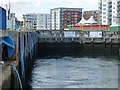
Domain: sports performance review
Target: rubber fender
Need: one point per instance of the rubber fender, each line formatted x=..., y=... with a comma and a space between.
x=10, y=44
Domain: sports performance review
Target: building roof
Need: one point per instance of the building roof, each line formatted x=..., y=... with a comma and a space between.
x=65, y=8
x=2, y=8
x=82, y=21
x=91, y=20
x=91, y=11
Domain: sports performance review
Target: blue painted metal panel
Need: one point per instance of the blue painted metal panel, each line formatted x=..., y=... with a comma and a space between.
x=21, y=58
x=10, y=40
x=10, y=44
x=2, y=18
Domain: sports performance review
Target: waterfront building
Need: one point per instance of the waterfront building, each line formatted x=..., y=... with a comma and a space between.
x=30, y=21
x=94, y=13
x=62, y=17
x=116, y=12
x=37, y=21
x=13, y=23
x=43, y=21
x=109, y=12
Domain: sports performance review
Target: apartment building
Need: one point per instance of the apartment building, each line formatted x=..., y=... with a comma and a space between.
x=13, y=23
x=37, y=21
x=109, y=12
x=61, y=17
x=31, y=21
x=116, y=12
x=43, y=21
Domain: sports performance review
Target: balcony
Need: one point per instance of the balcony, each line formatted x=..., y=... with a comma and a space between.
x=110, y=2
x=100, y=7
x=110, y=6
x=110, y=10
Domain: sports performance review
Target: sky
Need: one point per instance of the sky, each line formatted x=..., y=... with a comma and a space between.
x=21, y=7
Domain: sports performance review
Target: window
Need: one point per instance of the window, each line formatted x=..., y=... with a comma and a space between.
x=104, y=21
x=104, y=17
x=104, y=4
x=104, y=8
x=104, y=12
x=104, y=1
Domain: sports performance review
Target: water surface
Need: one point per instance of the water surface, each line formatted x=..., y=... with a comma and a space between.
x=75, y=72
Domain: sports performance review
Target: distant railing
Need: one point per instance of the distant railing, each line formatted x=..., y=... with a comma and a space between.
x=77, y=33
x=78, y=36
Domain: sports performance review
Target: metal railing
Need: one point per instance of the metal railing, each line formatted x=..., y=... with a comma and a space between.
x=77, y=36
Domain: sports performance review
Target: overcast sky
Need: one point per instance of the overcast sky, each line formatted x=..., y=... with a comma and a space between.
x=21, y=7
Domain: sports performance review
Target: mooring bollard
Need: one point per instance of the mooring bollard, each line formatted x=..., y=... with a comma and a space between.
x=119, y=51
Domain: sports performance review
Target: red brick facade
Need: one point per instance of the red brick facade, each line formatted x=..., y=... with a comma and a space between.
x=88, y=14
x=71, y=18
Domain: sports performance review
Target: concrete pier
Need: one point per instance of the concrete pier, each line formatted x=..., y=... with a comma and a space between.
x=8, y=78
x=5, y=76
x=78, y=36
x=119, y=51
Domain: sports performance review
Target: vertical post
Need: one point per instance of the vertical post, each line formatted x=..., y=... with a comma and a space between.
x=24, y=23
x=119, y=52
x=91, y=27
x=62, y=34
x=72, y=27
x=99, y=27
x=80, y=26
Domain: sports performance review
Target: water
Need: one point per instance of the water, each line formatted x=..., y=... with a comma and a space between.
x=75, y=72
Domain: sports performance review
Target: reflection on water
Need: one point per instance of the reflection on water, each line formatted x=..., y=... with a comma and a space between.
x=75, y=72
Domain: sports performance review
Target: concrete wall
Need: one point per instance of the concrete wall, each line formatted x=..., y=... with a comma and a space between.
x=74, y=48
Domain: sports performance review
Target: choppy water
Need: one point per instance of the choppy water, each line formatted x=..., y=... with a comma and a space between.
x=75, y=72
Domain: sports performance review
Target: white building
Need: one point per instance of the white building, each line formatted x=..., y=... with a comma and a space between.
x=110, y=11
x=31, y=21
x=37, y=21
x=13, y=23
x=43, y=21
x=116, y=12
x=55, y=19
x=61, y=17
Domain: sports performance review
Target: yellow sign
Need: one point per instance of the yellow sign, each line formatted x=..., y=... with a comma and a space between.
x=24, y=24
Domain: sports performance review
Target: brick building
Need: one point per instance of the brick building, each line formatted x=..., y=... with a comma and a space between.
x=61, y=17
x=88, y=14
